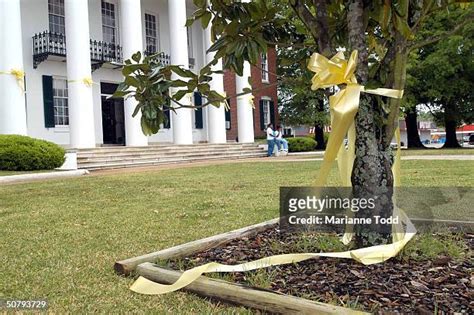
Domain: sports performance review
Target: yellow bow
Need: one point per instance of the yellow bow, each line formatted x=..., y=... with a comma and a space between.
x=343, y=106
x=87, y=81
x=19, y=76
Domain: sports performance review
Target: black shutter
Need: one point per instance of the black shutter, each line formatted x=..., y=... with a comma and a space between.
x=272, y=113
x=228, y=119
x=198, y=112
x=167, y=113
x=48, y=101
x=262, y=118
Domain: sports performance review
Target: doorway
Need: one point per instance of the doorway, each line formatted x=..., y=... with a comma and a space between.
x=113, y=118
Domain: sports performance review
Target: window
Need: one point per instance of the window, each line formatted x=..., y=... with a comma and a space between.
x=264, y=65
x=56, y=16
x=151, y=33
x=61, y=112
x=109, y=29
x=267, y=118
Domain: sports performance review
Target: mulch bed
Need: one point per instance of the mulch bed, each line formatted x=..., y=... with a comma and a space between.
x=407, y=287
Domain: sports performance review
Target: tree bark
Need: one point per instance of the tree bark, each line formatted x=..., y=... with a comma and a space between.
x=371, y=174
x=450, y=125
x=319, y=137
x=413, y=137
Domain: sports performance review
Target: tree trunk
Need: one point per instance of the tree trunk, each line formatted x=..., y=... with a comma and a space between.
x=413, y=136
x=319, y=137
x=319, y=129
x=371, y=175
x=450, y=126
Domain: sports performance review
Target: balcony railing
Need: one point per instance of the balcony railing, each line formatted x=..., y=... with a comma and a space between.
x=162, y=58
x=48, y=44
x=165, y=59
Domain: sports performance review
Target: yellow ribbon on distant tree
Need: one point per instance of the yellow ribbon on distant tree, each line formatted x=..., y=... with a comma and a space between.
x=19, y=76
x=87, y=81
x=344, y=106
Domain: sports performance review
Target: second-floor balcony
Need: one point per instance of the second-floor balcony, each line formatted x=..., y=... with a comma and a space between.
x=52, y=46
x=49, y=45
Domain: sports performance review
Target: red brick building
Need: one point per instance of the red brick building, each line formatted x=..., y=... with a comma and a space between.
x=265, y=92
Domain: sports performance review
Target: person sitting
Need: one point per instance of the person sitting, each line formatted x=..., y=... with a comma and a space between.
x=281, y=142
x=270, y=139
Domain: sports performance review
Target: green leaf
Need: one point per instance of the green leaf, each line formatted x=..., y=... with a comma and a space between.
x=182, y=72
x=205, y=19
x=200, y=3
x=180, y=94
x=137, y=56
x=253, y=52
x=132, y=81
x=190, y=21
x=179, y=83
x=120, y=94
x=136, y=110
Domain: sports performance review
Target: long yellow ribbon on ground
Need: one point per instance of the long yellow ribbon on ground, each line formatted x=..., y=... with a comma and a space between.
x=19, y=76
x=344, y=106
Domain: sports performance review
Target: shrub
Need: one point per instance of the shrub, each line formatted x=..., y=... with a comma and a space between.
x=301, y=144
x=21, y=153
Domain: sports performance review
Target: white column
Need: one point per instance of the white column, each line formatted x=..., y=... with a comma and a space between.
x=215, y=116
x=12, y=97
x=181, y=121
x=132, y=41
x=244, y=108
x=80, y=101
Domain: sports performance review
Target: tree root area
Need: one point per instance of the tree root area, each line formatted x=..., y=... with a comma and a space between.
x=408, y=284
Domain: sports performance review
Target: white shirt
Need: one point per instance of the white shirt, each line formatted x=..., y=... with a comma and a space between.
x=270, y=135
x=278, y=135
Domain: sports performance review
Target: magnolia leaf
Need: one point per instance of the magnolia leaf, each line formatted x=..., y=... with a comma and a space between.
x=205, y=19
x=182, y=72
x=180, y=94
x=137, y=56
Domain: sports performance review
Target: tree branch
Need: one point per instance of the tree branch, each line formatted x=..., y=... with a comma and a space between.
x=324, y=42
x=305, y=15
x=437, y=38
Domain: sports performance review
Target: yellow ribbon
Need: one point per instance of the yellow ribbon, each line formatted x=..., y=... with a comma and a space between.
x=87, y=81
x=19, y=76
x=344, y=106
x=251, y=99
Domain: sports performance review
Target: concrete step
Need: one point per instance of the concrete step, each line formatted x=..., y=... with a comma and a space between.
x=163, y=147
x=189, y=154
x=154, y=152
x=122, y=164
x=119, y=157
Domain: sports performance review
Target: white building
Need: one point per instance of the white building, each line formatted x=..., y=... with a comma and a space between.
x=58, y=105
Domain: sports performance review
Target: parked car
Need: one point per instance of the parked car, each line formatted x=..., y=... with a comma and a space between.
x=471, y=139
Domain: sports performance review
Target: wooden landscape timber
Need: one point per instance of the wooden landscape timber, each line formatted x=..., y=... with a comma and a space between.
x=127, y=266
x=237, y=294
x=264, y=300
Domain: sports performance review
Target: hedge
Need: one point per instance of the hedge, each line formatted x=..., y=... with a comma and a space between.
x=21, y=153
x=301, y=144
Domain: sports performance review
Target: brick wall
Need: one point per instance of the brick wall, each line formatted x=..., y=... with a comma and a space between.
x=268, y=90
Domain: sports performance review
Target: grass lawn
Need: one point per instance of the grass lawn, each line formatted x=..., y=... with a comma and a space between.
x=60, y=238
x=438, y=152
